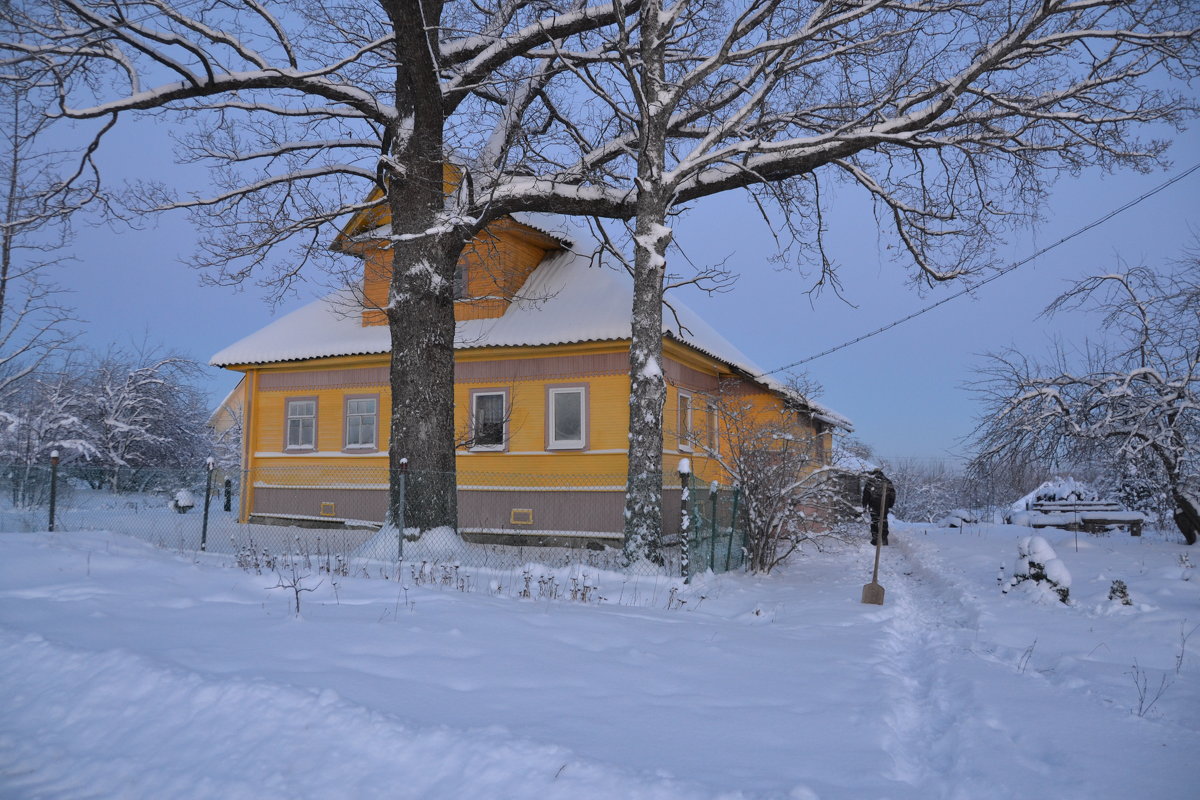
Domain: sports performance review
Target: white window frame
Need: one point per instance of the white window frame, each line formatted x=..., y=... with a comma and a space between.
x=684, y=431
x=713, y=434
x=373, y=427
x=475, y=395
x=288, y=417
x=566, y=444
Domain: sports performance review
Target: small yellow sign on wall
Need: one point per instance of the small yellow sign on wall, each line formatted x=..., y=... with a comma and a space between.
x=521, y=516
x=327, y=509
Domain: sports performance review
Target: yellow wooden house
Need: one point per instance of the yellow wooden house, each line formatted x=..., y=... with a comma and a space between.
x=541, y=392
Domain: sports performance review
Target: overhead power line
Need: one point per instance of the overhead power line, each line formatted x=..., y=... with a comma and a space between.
x=1000, y=273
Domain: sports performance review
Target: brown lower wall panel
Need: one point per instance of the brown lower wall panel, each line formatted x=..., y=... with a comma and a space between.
x=357, y=504
x=582, y=511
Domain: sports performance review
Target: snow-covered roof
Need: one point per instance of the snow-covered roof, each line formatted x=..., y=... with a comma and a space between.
x=1057, y=488
x=567, y=299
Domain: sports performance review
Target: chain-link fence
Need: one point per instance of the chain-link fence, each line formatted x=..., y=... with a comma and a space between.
x=505, y=520
x=335, y=514
x=716, y=528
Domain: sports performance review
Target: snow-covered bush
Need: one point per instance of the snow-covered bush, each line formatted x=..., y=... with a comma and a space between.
x=1039, y=567
x=183, y=501
x=957, y=518
x=1120, y=592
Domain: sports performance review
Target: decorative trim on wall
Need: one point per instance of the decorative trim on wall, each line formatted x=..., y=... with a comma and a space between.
x=536, y=368
x=557, y=367
x=323, y=379
x=681, y=375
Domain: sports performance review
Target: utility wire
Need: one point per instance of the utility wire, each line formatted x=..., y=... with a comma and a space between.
x=1095, y=223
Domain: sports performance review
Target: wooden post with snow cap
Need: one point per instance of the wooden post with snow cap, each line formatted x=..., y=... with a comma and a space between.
x=873, y=593
x=685, y=520
x=53, y=485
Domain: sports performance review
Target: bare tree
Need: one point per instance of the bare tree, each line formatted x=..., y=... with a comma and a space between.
x=1136, y=397
x=35, y=211
x=925, y=489
x=952, y=117
x=142, y=412
x=773, y=452
x=301, y=110
x=42, y=414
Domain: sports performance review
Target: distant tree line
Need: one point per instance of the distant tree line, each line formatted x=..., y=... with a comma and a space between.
x=119, y=420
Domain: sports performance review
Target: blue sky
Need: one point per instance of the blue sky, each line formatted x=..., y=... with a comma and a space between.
x=904, y=389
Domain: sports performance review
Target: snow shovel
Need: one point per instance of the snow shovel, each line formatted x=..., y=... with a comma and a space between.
x=873, y=592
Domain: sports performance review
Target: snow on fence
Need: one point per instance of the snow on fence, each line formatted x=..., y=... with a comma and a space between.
x=335, y=515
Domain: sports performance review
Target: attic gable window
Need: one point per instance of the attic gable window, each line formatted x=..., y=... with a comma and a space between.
x=460, y=281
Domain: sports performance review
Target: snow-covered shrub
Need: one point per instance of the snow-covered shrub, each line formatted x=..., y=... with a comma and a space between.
x=957, y=518
x=1019, y=518
x=1120, y=592
x=183, y=501
x=1038, y=565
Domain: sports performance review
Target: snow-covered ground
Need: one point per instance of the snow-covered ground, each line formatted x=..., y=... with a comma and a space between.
x=132, y=672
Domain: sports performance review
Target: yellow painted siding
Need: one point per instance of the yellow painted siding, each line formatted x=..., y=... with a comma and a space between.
x=498, y=261
x=525, y=462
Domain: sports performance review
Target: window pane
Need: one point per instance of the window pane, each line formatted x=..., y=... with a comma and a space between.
x=302, y=408
x=301, y=423
x=685, y=420
x=489, y=419
x=361, y=421
x=460, y=281
x=568, y=416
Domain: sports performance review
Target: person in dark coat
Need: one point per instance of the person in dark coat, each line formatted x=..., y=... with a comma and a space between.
x=878, y=488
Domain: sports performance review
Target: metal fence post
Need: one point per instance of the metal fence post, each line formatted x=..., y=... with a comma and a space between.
x=712, y=544
x=403, y=481
x=685, y=526
x=53, y=485
x=228, y=494
x=737, y=493
x=208, y=468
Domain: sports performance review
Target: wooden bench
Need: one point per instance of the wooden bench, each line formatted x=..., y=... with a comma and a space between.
x=1092, y=516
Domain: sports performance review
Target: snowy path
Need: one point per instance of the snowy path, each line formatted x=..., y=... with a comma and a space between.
x=965, y=723
x=931, y=696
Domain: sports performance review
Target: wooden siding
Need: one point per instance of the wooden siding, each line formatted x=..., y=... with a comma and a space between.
x=577, y=512
x=524, y=373
x=498, y=261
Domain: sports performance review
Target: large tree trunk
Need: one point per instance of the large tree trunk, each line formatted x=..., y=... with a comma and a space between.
x=420, y=309
x=647, y=386
x=647, y=383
